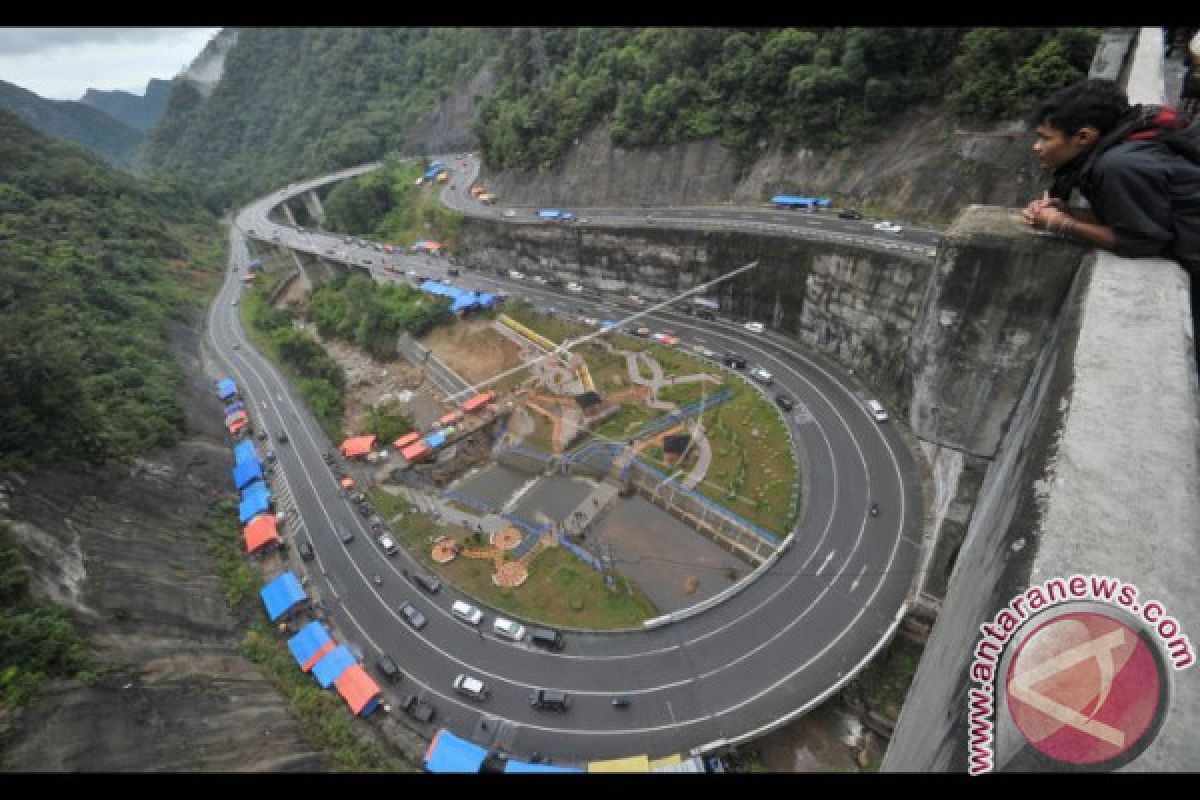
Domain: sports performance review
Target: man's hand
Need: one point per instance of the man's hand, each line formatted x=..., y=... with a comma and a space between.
x=1045, y=213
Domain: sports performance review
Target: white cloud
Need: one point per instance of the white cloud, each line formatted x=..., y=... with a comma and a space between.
x=61, y=63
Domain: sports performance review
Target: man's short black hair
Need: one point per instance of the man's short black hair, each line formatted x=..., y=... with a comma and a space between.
x=1098, y=103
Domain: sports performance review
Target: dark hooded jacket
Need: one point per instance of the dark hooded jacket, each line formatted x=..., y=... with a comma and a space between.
x=1143, y=180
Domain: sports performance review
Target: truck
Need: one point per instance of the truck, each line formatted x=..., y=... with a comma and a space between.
x=555, y=215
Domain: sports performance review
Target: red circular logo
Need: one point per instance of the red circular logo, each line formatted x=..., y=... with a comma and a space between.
x=1083, y=688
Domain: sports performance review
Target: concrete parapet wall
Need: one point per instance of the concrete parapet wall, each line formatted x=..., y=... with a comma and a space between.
x=996, y=289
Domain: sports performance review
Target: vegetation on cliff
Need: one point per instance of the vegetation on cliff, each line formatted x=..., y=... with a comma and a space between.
x=94, y=265
x=821, y=87
x=38, y=640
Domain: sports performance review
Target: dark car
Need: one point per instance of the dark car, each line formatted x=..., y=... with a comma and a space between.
x=389, y=669
x=329, y=457
x=735, y=360
x=305, y=549
x=850, y=213
x=344, y=533
x=282, y=438
x=418, y=710
x=453, y=272
x=427, y=582
x=412, y=616
x=785, y=401
x=547, y=638
x=549, y=700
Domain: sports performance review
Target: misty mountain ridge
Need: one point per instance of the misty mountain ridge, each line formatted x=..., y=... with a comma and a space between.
x=140, y=112
x=75, y=122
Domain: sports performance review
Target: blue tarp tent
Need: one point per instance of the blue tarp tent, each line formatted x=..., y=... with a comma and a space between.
x=525, y=766
x=282, y=595
x=245, y=473
x=309, y=642
x=226, y=388
x=435, y=440
x=448, y=753
x=459, y=298
x=252, y=506
x=244, y=452
x=329, y=668
x=232, y=407
x=256, y=488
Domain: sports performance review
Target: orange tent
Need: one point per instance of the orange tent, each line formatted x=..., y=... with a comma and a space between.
x=449, y=419
x=260, y=532
x=237, y=425
x=358, y=690
x=357, y=446
x=478, y=401
x=405, y=440
x=414, y=452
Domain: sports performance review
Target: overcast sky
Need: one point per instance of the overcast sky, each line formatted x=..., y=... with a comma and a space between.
x=62, y=63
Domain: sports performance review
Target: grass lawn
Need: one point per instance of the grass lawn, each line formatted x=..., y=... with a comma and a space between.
x=561, y=590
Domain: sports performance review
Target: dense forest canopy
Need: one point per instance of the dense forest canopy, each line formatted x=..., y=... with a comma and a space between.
x=297, y=102
x=90, y=274
x=823, y=88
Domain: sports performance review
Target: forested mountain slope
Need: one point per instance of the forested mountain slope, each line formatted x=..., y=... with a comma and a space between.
x=92, y=268
x=299, y=102
x=295, y=102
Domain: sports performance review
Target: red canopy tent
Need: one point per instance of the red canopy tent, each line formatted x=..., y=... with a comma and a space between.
x=261, y=532
x=357, y=446
x=358, y=690
x=478, y=401
x=414, y=452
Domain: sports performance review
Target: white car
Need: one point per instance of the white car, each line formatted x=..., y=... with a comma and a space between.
x=471, y=687
x=574, y=288
x=539, y=280
x=466, y=612
x=509, y=629
x=753, y=327
x=387, y=543
x=762, y=376
x=510, y=212
x=876, y=409
x=887, y=227
x=516, y=276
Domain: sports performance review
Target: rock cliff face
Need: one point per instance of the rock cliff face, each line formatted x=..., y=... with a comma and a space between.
x=125, y=551
x=855, y=304
x=924, y=167
x=448, y=127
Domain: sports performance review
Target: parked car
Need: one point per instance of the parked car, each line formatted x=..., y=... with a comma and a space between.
x=735, y=360
x=389, y=669
x=753, y=327
x=850, y=213
x=548, y=638
x=427, y=582
x=509, y=629
x=877, y=411
x=387, y=543
x=471, y=687
x=412, y=616
x=282, y=437
x=887, y=227
x=785, y=401
x=466, y=612
x=305, y=549
x=417, y=709
x=574, y=288
x=344, y=533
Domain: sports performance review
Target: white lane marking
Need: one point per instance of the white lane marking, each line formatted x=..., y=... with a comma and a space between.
x=854, y=585
x=825, y=563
